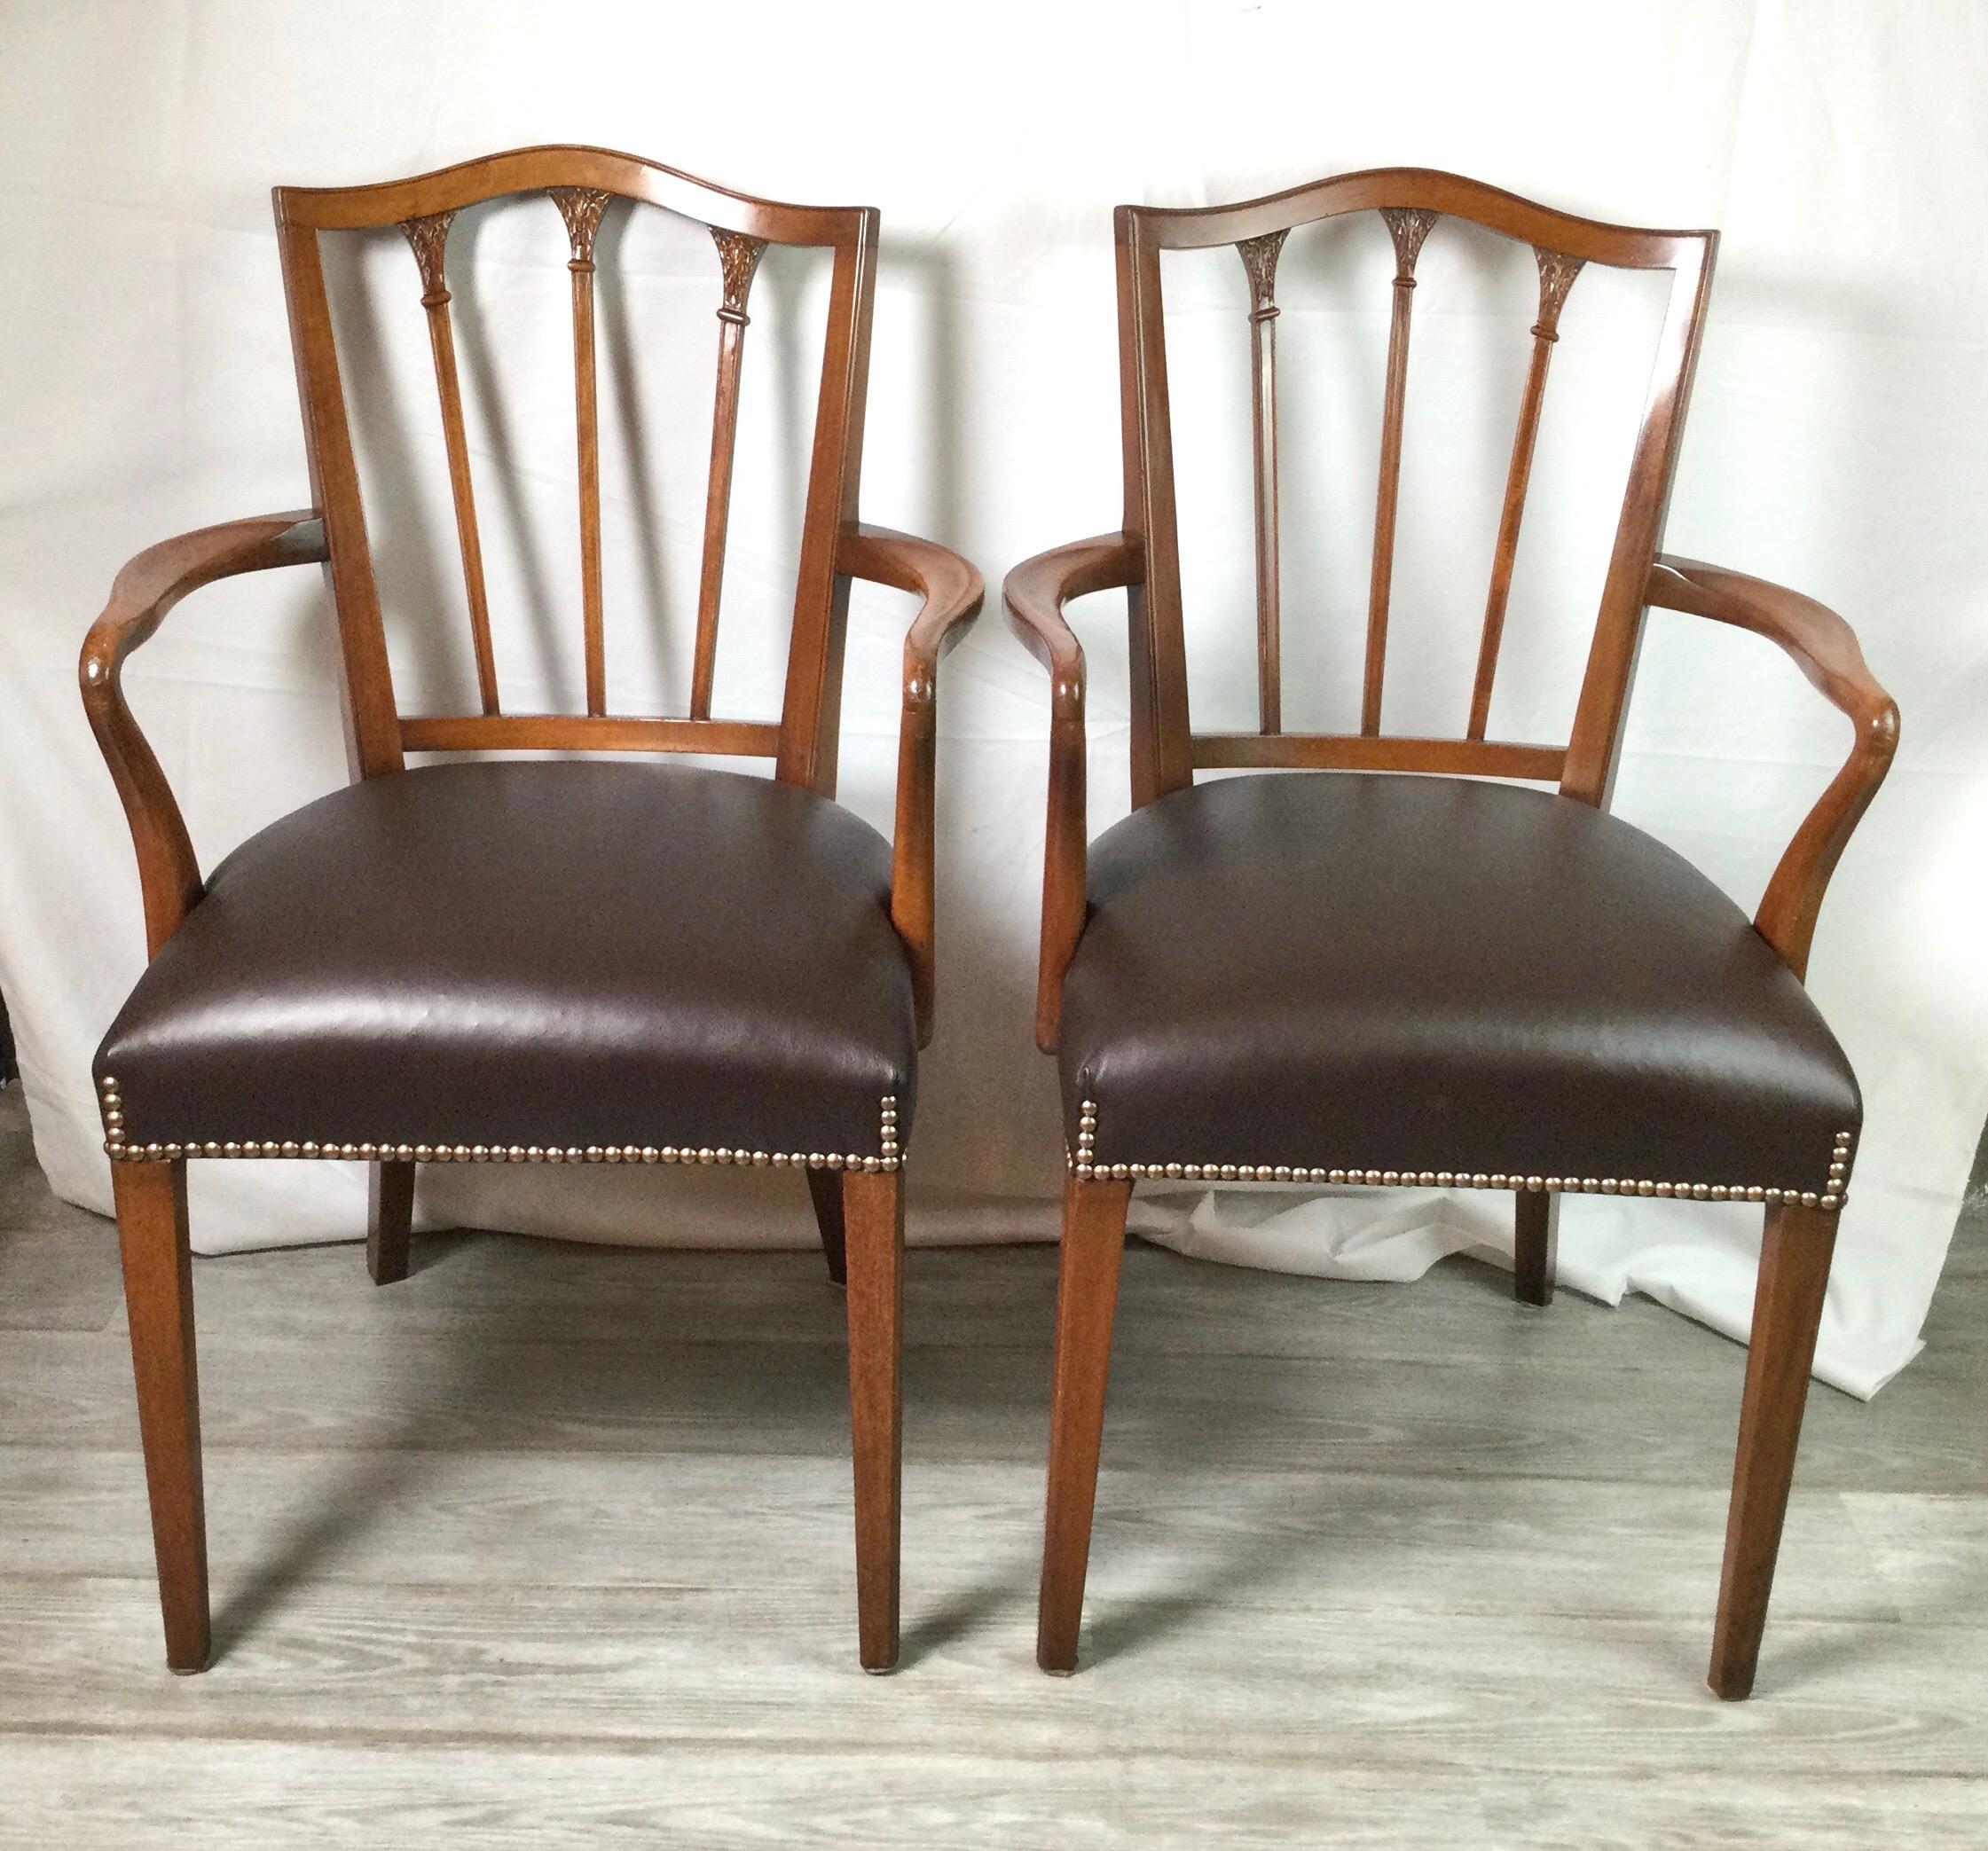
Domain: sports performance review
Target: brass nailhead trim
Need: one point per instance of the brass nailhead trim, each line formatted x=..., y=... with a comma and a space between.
x=1083, y=1165
x=891, y=1155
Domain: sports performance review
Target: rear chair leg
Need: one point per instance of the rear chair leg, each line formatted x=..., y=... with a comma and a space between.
x=151, y=1200
x=1094, y=1217
x=389, y=1228
x=873, y=1214
x=1535, y=1250
x=1787, y=1313
x=826, y=1187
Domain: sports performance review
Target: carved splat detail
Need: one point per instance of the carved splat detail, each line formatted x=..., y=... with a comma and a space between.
x=1408, y=226
x=738, y=256
x=428, y=236
x=581, y=208
x=1557, y=273
x=1260, y=260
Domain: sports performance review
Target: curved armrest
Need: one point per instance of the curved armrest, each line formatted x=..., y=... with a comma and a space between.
x=145, y=590
x=953, y=593
x=1035, y=594
x=1824, y=648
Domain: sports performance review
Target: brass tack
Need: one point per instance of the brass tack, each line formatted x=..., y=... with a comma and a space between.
x=1809, y=1198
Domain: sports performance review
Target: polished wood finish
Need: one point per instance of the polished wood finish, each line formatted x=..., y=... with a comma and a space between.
x=1407, y=227
x=584, y=183
x=1034, y=595
x=159, y=1306
x=1556, y=276
x=594, y=732
x=429, y=238
x=738, y=257
x=1260, y=261
x=824, y=1189
x=837, y=547
x=1413, y=201
x=390, y=1221
x=1166, y=753
x=1824, y=648
x=952, y=594
x=1086, y=1299
x=1536, y=1246
x=1795, y=1256
x=873, y=1220
x=1391, y=752
x=581, y=208
x=145, y=590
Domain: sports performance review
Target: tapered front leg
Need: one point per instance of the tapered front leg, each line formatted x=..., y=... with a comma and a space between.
x=873, y=1217
x=1787, y=1313
x=825, y=1187
x=1086, y=1298
x=389, y=1225
x=151, y=1199
x=1535, y=1250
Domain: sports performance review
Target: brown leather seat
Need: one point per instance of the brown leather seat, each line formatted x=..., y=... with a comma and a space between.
x=539, y=957
x=1350, y=972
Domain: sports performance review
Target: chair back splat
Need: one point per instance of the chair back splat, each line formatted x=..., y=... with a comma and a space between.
x=1412, y=201
x=583, y=184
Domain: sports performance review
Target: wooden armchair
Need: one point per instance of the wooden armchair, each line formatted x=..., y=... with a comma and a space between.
x=553, y=961
x=1398, y=973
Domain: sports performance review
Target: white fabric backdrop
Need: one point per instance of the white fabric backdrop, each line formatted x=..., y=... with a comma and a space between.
x=1836, y=444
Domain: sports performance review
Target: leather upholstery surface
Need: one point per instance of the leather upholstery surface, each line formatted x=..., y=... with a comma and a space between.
x=1410, y=973
x=552, y=952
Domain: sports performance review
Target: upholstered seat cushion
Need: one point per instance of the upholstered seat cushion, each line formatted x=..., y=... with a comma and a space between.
x=1409, y=974
x=533, y=953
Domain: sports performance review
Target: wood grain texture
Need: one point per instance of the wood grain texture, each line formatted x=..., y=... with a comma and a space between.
x=1086, y=1300
x=873, y=1232
x=159, y=1302
x=1788, y=1310
x=590, y=1588
x=343, y=1794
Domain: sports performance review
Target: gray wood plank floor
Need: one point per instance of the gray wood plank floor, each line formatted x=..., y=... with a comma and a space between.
x=550, y=1545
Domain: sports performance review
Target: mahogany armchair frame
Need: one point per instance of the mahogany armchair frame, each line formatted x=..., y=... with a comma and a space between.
x=1143, y=558
x=858, y=1202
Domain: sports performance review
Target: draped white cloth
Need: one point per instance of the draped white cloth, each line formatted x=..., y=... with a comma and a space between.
x=1835, y=445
